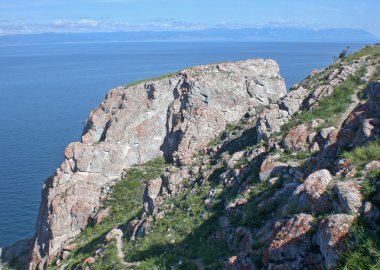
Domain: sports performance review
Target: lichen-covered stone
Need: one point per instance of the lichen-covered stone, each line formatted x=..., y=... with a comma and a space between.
x=349, y=196
x=330, y=237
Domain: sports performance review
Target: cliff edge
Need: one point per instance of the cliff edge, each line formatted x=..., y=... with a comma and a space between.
x=174, y=117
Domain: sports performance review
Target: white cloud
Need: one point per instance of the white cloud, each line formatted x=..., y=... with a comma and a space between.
x=91, y=25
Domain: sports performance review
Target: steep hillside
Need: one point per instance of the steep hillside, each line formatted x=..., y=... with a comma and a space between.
x=292, y=183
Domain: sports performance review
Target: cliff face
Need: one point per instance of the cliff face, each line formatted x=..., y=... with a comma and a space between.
x=173, y=117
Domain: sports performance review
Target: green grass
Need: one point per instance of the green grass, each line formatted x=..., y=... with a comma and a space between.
x=376, y=75
x=363, y=249
x=126, y=203
x=330, y=107
x=184, y=233
x=109, y=260
x=232, y=126
x=369, y=184
x=360, y=156
x=214, y=142
x=153, y=79
x=296, y=156
x=373, y=51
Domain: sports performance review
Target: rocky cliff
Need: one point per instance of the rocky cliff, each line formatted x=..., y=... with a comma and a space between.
x=174, y=117
x=254, y=177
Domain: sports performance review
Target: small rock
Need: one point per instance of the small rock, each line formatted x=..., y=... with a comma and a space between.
x=99, y=251
x=311, y=137
x=70, y=247
x=316, y=123
x=270, y=121
x=345, y=168
x=293, y=100
x=314, y=148
x=326, y=131
x=237, y=202
x=90, y=260
x=270, y=168
x=273, y=181
x=102, y=215
x=115, y=233
x=373, y=165
x=235, y=158
x=65, y=254
x=241, y=262
x=232, y=259
x=368, y=207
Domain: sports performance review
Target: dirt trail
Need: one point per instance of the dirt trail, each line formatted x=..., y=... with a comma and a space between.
x=120, y=253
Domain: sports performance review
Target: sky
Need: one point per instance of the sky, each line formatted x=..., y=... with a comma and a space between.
x=38, y=16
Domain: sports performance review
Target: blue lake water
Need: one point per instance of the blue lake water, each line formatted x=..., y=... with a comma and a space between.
x=47, y=91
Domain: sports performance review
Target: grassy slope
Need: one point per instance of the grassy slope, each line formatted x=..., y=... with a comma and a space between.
x=364, y=243
x=126, y=202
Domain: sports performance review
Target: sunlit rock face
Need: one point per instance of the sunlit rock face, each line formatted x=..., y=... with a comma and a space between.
x=175, y=117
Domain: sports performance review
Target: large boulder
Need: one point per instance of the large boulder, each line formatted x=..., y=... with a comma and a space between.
x=175, y=117
x=151, y=194
x=330, y=237
x=311, y=193
x=270, y=167
x=349, y=197
x=270, y=121
x=292, y=102
x=297, y=138
x=291, y=245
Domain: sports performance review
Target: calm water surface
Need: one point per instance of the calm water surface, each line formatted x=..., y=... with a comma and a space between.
x=47, y=91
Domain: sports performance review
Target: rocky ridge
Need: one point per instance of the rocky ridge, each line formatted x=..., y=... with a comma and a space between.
x=175, y=117
x=285, y=187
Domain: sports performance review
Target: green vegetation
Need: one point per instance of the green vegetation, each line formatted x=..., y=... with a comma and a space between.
x=152, y=79
x=298, y=156
x=214, y=142
x=343, y=54
x=376, y=75
x=126, y=202
x=329, y=109
x=369, y=184
x=232, y=126
x=184, y=233
x=363, y=249
x=109, y=260
x=372, y=51
x=360, y=156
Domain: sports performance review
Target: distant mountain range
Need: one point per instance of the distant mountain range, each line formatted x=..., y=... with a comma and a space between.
x=269, y=34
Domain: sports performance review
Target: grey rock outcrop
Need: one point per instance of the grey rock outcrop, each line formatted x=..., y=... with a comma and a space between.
x=270, y=121
x=173, y=117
